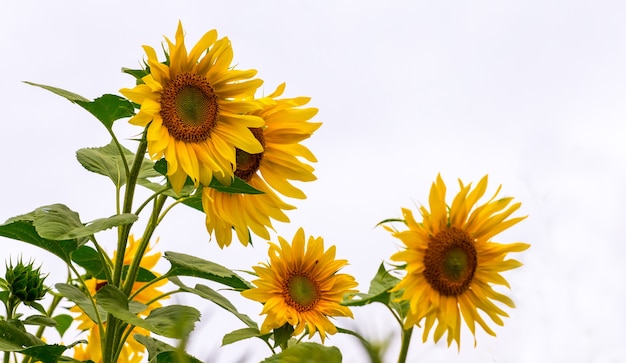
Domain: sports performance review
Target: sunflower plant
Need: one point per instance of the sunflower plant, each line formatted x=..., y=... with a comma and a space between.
x=208, y=141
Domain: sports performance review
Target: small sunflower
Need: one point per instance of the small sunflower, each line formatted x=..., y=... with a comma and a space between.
x=301, y=286
x=196, y=108
x=451, y=262
x=283, y=159
x=144, y=296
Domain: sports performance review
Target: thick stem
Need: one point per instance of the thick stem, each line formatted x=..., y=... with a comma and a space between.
x=406, y=340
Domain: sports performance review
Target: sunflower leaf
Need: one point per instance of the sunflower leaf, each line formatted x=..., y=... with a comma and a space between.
x=307, y=353
x=108, y=108
x=238, y=186
x=378, y=291
x=14, y=337
x=241, y=334
x=208, y=293
x=107, y=161
x=50, y=353
x=25, y=231
x=63, y=323
x=187, y=265
x=83, y=301
x=70, y=96
x=159, y=351
x=172, y=321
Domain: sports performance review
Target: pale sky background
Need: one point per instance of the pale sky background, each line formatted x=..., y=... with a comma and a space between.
x=531, y=92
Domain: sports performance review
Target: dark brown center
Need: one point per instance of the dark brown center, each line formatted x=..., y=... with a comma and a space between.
x=248, y=164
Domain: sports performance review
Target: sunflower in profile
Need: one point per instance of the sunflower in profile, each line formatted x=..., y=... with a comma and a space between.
x=283, y=159
x=197, y=109
x=300, y=286
x=451, y=262
x=132, y=350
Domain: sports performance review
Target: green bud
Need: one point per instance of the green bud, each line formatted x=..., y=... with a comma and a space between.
x=25, y=282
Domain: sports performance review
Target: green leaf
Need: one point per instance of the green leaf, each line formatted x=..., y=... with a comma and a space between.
x=14, y=338
x=378, y=291
x=156, y=348
x=51, y=221
x=282, y=334
x=186, y=265
x=88, y=258
x=137, y=73
x=4, y=296
x=240, y=334
x=25, y=231
x=81, y=299
x=100, y=224
x=172, y=321
x=206, y=292
x=108, y=108
x=238, y=186
x=107, y=161
x=72, y=97
x=307, y=353
x=39, y=320
x=63, y=323
x=45, y=353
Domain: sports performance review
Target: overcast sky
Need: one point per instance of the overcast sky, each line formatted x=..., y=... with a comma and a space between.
x=532, y=93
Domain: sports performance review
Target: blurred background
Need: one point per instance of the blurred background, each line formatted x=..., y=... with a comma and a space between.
x=532, y=93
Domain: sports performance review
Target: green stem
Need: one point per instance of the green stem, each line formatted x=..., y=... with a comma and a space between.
x=406, y=340
x=143, y=245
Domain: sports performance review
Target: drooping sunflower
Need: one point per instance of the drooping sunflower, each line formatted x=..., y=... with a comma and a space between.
x=197, y=109
x=451, y=262
x=300, y=286
x=132, y=350
x=283, y=159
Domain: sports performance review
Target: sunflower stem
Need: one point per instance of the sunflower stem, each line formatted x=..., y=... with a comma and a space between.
x=406, y=340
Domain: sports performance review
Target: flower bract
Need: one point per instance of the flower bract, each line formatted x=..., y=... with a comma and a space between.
x=300, y=286
x=452, y=263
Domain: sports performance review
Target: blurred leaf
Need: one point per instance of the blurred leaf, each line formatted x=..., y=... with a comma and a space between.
x=25, y=231
x=282, y=334
x=307, y=353
x=240, y=334
x=108, y=108
x=172, y=321
x=206, y=292
x=107, y=161
x=186, y=265
x=39, y=320
x=378, y=291
x=14, y=338
x=45, y=353
x=63, y=323
x=79, y=298
x=156, y=348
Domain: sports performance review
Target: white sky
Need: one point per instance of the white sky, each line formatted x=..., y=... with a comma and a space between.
x=531, y=92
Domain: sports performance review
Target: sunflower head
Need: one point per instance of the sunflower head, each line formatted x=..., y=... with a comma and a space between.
x=452, y=262
x=300, y=286
x=283, y=159
x=196, y=109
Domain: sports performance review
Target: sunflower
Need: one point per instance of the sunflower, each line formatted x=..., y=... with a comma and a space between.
x=196, y=109
x=145, y=296
x=132, y=351
x=286, y=125
x=301, y=286
x=451, y=262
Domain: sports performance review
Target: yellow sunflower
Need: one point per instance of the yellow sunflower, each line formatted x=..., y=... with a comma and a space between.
x=451, y=262
x=301, y=286
x=132, y=351
x=145, y=296
x=282, y=160
x=196, y=108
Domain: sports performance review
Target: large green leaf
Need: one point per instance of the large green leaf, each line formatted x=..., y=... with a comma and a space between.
x=106, y=109
x=307, y=353
x=99, y=224
x=107, y=161
x=378, y=291
x=14, y=337
x=25, y=231
x=45, y=353
x=51, y=221
x=208, y=293
x=81, y=299
x=172, y=321
x=186, y=265
x=159, y=351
